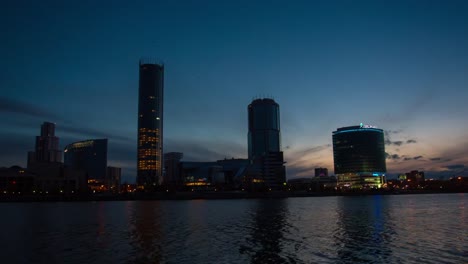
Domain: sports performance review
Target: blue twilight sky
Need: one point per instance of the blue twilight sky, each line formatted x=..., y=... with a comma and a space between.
x=398, y=65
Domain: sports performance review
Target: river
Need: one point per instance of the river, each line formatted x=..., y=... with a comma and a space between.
x=426, y=228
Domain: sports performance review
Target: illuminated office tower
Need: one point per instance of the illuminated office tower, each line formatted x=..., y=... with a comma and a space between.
x=150, y=125
x=359, y=156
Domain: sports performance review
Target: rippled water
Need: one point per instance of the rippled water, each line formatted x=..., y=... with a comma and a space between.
x=367, y=229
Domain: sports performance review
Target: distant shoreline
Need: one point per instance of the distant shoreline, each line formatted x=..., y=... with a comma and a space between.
x=201, y=196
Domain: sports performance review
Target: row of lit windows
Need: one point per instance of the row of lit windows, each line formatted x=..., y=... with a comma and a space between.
x=149, y=165
x=143, y=162
x=144, y=129
x=148, y=138
x=148, y=156
x=148, y=151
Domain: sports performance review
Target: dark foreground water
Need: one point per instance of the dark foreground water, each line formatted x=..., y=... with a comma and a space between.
x=368, y=229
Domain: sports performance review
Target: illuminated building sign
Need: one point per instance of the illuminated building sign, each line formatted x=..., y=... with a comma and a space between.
x=366, y=126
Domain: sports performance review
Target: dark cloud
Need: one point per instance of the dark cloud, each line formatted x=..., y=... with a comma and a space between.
x=417, y=157
x=14, y=150
x=389, y=132
x=392, y=156
x=446, y=174
x=13, y=106
x=407, y=158
x=454, y=166
x=304, y=152
x=389, y=141
x=195, y=150
x=30, y=110
x=298, y=172
x=395, y=143
x=88, y=132
x=435, y=159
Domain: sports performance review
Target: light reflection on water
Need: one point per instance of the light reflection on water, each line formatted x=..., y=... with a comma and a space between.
x=366, y=229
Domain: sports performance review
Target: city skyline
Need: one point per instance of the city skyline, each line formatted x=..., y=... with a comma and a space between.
x=400, y=66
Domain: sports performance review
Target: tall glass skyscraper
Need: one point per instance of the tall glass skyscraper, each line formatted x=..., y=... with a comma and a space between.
x=264, y=127
x=150, y=125
x=359, y=156
x=264, y=143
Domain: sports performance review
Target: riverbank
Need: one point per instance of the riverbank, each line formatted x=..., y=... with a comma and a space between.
x=202, y=195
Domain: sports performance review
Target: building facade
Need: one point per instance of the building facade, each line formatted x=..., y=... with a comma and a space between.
x=113, y=180
x=50, y=174
x=47, y=146
x=89, y=156
x=264, y=144
x=150, y=125
x=264, y=127
x=172, y=176
x=359, y=156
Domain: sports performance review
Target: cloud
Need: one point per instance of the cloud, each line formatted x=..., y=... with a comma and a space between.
x=307, y=151
x=88, y=132
x=389, y=141
x=199, y=150
x=395, y=143
x=14, y=149
x=388, y=132
x=302, y=162
x=445, y=174
x=296, y=172
x=31, y=110
x=435, y=159
x=392, y=156
x=13, y=106
x=454, y=166
x=405, y=157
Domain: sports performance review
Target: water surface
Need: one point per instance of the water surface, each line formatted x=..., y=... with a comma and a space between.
x=366, y=229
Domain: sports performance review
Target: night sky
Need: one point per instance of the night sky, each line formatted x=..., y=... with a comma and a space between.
x=399, y=65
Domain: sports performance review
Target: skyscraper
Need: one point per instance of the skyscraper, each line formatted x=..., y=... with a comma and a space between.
x=47, y=146
x=150, y=125
x=264, y=143
x=264, y=127
x=359, y=156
